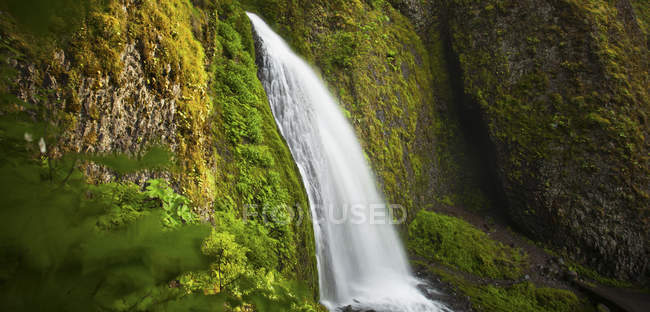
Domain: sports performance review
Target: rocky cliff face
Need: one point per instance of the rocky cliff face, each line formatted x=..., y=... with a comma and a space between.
x=107, y=116
x=179, y=74
x=561, y=87
x=535, y=108
x=563, y=90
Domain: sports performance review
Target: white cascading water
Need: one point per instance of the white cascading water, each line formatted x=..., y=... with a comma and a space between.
x=360, y=262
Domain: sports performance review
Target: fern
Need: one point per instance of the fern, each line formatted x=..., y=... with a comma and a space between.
x=176, y=207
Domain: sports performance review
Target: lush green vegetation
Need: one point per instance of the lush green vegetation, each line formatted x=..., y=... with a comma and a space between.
x=465, y=256
x=68, y=245
x=258, y=176
x=230, y=163
x=155, y=258
x=524, y=296
x=456, y=243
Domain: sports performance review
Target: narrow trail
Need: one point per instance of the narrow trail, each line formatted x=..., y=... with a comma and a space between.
x=618, y=298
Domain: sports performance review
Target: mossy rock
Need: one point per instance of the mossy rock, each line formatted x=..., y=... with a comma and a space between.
x=456, y=243
x=562, y=86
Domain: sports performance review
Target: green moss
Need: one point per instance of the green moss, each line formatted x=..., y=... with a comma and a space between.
x=343, y=46
x=468, y=256
x=555, y=120
x=642, y=11
x=258, y=178
x=458, y=244
x=374, y=60
x=228, y=149
x=524, y=297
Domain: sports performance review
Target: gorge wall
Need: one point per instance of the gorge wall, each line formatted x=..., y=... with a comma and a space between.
x=563, y=90
x=177, y=74
x=537, y=110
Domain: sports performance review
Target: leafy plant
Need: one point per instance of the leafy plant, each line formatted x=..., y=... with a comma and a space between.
x=230, y=257
x=70, y=246
x=121, y=222
x=176, y=207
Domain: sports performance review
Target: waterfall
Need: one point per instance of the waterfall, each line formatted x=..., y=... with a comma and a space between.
x=360, y=258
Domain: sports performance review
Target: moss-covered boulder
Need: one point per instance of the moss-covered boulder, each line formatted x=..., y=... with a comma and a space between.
x=458, y=244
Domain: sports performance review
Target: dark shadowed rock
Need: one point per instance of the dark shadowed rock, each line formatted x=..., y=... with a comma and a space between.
x=602, y=308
